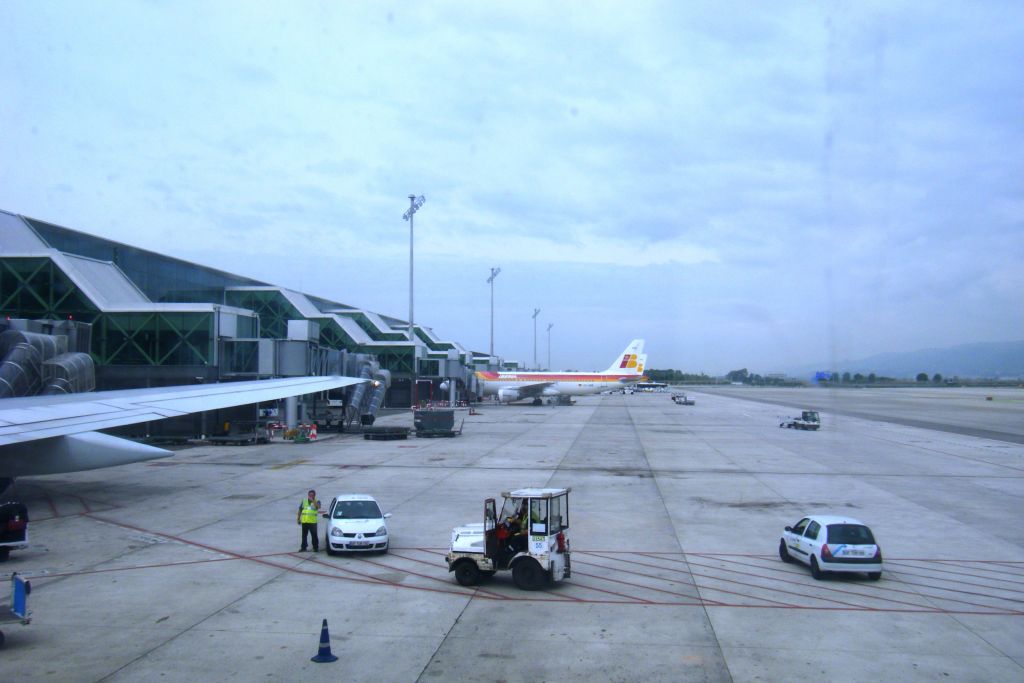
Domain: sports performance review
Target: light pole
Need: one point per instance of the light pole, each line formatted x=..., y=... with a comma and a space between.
x=414, y=205
x=536, y=312
x=550, y=325
x=494, y=273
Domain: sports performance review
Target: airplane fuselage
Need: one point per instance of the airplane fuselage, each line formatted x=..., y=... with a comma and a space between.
x=556, y=383
x=509, y=386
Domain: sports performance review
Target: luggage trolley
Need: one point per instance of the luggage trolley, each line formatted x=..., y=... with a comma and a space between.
x=18, y=611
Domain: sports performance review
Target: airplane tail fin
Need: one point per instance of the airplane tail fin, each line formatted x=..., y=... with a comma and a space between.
x=626, y=362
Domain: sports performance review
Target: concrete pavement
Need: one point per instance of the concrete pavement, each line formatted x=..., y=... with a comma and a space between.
x=185, y=569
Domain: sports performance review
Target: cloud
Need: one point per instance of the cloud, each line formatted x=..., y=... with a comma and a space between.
x=764, y=175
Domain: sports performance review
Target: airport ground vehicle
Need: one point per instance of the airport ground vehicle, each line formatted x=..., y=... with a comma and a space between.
x=13, y=528
x=530, y=538
x=355, y=523
x=809, y=419
x=683, y=400
x=829, y=543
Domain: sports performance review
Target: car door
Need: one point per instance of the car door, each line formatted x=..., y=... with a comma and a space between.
x=811, y=541
x=794, y=539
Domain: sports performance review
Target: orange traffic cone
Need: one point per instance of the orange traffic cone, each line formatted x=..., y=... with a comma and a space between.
x=312, y=432
x=324, y=653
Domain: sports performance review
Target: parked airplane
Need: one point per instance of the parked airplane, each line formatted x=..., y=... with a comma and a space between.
x=57, y=433
x=515, y=386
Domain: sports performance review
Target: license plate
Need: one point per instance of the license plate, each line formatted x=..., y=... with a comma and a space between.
x=857, y=553
x=358, y=545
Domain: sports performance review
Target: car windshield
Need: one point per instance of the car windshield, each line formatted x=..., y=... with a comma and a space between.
x=356, y=509
x=852, y=534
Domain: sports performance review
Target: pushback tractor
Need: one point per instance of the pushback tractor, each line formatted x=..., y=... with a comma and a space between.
x=529, y=537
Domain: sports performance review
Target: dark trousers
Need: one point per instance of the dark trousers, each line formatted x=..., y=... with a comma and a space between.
x=310, y=528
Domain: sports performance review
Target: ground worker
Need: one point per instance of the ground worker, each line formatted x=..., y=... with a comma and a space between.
x=309, y=509
x=520, y=529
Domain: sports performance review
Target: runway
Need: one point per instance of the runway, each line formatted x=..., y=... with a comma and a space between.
x=186, y=568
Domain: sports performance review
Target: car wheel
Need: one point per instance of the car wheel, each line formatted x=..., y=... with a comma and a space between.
x=327, y=545
x=783, y=553
x=467, y=573
x=488, y=573
x=874, y=576
x=815, y=570
x=528, y=575
x=384, y=551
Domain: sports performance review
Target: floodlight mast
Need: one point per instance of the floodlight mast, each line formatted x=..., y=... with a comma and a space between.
x=494, y=273
x=550, y=325
x=414, y=205
x=536, y=312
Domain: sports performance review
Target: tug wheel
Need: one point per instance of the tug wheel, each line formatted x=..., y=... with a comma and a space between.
x=528, y=575
x=467, y=573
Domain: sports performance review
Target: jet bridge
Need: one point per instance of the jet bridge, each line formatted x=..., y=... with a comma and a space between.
x=39, y=362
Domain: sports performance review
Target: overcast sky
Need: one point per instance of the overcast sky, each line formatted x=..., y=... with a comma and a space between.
x=756, y=185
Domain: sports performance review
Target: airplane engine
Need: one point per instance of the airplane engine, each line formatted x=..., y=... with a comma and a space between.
x=508, y=395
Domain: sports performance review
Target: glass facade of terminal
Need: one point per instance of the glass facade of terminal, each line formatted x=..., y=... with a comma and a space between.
x=160, y=277
x=133, y=330
x=37, y=288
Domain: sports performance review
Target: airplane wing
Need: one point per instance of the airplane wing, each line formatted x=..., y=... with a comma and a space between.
x=530, y=390
x=54, y=434
x=42, y=417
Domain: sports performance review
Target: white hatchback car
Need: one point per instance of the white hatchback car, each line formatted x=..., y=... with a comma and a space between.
x=832, y=544
x=355, y=522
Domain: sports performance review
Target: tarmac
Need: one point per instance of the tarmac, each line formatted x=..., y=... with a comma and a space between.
x=187, y=568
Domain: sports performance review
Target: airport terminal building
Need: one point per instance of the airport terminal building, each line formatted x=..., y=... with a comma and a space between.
x=154, y=320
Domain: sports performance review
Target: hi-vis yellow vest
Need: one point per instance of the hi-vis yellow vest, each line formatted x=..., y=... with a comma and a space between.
x=308, y=512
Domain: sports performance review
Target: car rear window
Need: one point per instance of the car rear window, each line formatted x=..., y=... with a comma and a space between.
x=851, y=534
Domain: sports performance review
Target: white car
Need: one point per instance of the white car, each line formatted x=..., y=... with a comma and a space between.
x=355, y=523
x=830, y=543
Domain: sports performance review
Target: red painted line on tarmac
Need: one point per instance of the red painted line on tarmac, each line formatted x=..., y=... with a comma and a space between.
x=999, y=575
x=411, y=573
x=858, y=594
x=959, y=582
x=956, y=561
x=369, y=580
x=258, y=559
x=646, y=576
x=803, y=585
x=642, y=587
x=723, y=590
x=53, y=506
x=437, y=551
x=1001, y=570
x=626, y=598
x=158, y=565
x=879, y=588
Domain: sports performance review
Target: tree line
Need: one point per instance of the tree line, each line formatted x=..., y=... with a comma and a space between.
x=744, y=376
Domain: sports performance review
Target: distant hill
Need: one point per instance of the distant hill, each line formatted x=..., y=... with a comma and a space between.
x=988, y=360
